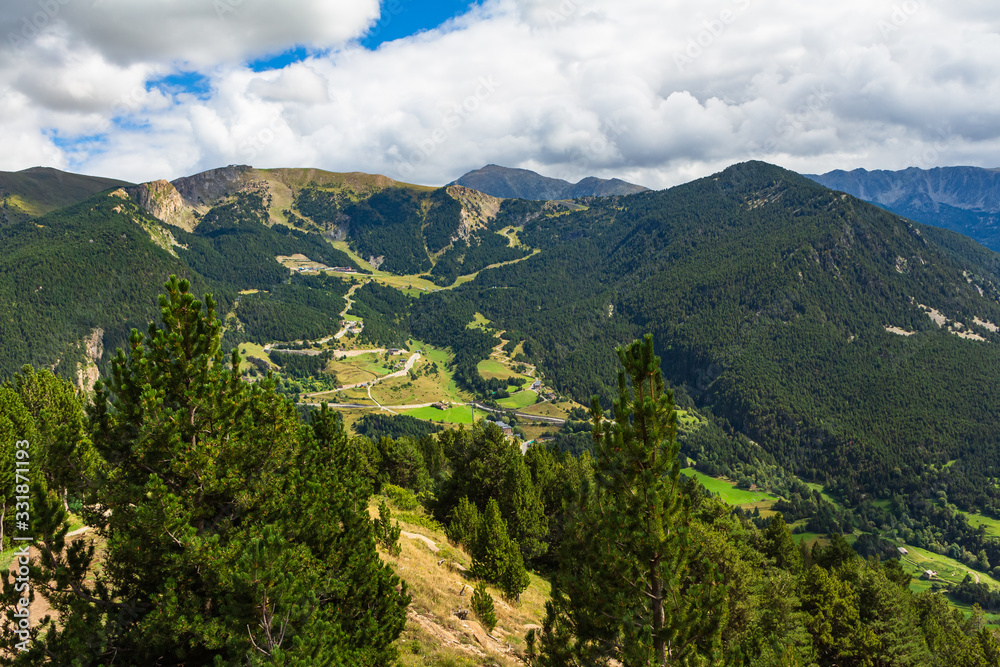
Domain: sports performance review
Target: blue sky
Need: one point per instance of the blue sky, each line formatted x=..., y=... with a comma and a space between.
x=656, y=92
x=403, y=18
x=397, y=19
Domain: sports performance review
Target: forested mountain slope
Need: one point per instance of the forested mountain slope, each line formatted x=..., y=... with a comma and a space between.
x=76, y=280
x=93, y=270
x=801, y=315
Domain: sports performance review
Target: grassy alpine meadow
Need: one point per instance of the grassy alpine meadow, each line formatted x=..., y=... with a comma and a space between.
x=436, y=575
x=252, y=351
x=460, y=414
x=992, y=525
x=479, y=321
x=430, y=382
x=729, y=493
x=521, y=399
x=491, y=368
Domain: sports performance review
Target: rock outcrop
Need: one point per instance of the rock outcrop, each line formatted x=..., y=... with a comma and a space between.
x=163, y=201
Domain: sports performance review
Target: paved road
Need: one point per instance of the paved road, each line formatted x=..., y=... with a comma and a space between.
x=523, y=415
x=555, y=421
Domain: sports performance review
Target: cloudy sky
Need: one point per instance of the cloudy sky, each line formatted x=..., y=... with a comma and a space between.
x=654, y=91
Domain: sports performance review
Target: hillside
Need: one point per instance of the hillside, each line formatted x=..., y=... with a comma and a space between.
x=846, y=341
x=962, y=199
x=74, y=282
x=512, y=183
x=38, y=190
x=230, y=230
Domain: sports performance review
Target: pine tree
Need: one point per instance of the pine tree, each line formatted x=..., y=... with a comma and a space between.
x=496, y=557
x=16, y=425
x=234, y=533
x=780, y=547
x=627, y=587
x=62, y=450
x=464, y=525
x=487, y=464
x=386, y=531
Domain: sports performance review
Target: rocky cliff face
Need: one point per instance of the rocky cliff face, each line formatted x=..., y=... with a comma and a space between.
x=963, y=199
x=208, y=187
x=477, y=208
x=525, y=184
x=162, y=200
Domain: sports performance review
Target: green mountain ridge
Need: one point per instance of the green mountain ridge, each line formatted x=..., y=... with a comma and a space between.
x=38, y=190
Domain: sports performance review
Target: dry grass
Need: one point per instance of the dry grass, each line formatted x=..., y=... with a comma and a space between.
x=434, y=635
x=428, y=387
x=550, y=409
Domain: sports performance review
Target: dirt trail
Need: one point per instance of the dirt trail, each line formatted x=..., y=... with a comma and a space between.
x=422, y=538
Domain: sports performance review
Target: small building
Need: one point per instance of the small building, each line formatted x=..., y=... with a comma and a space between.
x=902, y=550
x=440, y=406
x=536, y=385
x=928, y=574
x=393, y=350
x=505, y=427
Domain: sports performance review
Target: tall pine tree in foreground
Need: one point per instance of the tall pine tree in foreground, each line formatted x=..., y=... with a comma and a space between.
x=627, y=587
x=233, y=533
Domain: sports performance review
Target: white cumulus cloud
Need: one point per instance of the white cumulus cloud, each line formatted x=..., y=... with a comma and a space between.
x=656, y=92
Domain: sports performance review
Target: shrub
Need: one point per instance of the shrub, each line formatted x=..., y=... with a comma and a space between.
x=387, y=531
x=464, y=525
x=482, y=607
x=403, y=499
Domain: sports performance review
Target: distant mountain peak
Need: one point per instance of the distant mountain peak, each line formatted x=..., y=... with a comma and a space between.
x=515, y=183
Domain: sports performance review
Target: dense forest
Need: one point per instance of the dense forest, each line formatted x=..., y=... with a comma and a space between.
x=77, y=269
x=770, y=298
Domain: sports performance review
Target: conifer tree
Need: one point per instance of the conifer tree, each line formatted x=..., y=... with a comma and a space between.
x=465, y=522
x=627, y=588
x=62, y=450
x=487, y=464
x=15, y=425
x=496, y=557
x=233, y=533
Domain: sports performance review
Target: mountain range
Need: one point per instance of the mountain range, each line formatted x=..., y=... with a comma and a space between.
x=525, y=184
x=963, y=199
